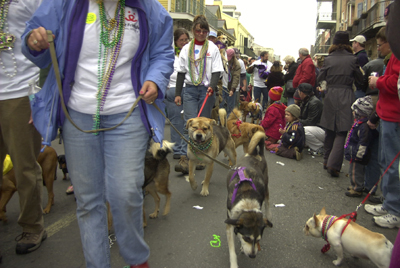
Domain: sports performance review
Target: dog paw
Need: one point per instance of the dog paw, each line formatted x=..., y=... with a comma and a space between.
x=153, y=215
x=46, y=211
x=204, y=192
x=193, y=185
x=337, y=262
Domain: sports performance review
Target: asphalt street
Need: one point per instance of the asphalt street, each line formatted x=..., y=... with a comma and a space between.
x=186, y=236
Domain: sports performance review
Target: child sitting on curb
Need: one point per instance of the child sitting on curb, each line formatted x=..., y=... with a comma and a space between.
x=274, y=118
x=357, y=145
x=293, y=136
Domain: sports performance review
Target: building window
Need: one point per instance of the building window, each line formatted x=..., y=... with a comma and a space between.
x=359, y=10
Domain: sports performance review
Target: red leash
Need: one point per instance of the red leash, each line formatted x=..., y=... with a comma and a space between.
x=204, y=103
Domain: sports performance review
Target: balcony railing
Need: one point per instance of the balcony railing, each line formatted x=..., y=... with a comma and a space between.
x=189, y=6
x=212, y=19
x=326, y=20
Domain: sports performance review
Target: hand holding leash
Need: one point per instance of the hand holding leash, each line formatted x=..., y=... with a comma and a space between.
x=149, y=91
x=210, y=91
x=37, y=39
x=178, y=100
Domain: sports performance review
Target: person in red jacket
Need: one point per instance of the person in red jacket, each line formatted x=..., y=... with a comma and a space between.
x=388, y=109
x=305, y=73
x=274, y=118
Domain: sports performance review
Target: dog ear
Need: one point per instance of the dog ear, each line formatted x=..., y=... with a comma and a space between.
x=256, y=100
x=188, y=123
x=316, y=221
x=213, y=122
x=322, y=212
x=234, y=222
x=267, y=223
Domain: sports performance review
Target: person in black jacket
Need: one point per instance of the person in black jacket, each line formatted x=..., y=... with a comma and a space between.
x=288, y=78
x=311, y=111
x=275, y=77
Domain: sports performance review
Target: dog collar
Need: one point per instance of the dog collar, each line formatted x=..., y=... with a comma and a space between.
x=200, y=147
x=328, y=221
x=242, y=178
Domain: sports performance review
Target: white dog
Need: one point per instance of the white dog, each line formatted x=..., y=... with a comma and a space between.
x=357, y=240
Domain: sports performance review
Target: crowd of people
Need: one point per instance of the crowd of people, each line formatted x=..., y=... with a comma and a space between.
x=343, y=106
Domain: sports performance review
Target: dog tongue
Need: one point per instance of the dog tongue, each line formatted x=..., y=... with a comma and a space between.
x=259, y=247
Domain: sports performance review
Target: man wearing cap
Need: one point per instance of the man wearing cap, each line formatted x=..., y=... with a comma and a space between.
x=212, y=36
x=230, y=81
x=243, y=82
x=311, y=111
x=358, y=45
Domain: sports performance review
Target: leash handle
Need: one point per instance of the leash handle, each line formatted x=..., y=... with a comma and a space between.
x=58, y=78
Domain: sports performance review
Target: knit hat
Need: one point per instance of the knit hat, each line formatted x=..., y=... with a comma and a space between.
x=230, y=52
x=341, y=38
x=294, y=110
x=296, y=95
x=363, y=107
x=275, y=93
x=306, y=88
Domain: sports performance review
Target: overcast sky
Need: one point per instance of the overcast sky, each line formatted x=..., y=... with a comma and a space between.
x=284, y=25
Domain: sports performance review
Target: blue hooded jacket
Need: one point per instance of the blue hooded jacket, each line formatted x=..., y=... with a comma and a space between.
x=153, y=60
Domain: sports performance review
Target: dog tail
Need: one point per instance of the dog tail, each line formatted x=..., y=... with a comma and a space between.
x=257, y=141
x=236, y=114
x=158, y=152
x=222, y=116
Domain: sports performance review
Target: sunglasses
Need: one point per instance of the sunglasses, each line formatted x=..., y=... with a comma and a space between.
x=201, y=31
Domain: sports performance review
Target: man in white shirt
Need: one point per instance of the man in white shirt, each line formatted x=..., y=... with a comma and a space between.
x=262, y=68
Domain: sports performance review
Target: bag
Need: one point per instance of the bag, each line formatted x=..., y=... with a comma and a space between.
x=289, y=88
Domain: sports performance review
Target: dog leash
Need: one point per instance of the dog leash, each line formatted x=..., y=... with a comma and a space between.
x=58, y=78
x=188, y=142
x=204, y=102
x=353, y=215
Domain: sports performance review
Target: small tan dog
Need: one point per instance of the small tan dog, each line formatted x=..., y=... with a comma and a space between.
x=205, y=134
x=255, y=111
x=357, y=240
x=48, y=162
x=241, y=132
x=223, y=39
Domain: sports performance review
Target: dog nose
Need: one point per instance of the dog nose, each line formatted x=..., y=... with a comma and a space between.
x=252, y=256
x=199, y=136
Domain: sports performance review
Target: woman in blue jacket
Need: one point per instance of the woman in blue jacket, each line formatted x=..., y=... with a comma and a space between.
x=109, y=53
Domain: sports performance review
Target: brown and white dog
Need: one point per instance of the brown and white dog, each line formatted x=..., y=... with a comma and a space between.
x=357, y=240
x=255, y=110
x=48, y=161
x=223, y=39
x=205, y=134
x=241, y=132
x=156, y=179
x=247, y=194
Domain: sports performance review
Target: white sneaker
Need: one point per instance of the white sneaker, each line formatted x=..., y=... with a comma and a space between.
x=376, y=210
x=387, y=221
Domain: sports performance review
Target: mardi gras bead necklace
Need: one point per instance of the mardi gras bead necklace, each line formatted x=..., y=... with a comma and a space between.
x=200, y=62
x=6, y=39
x=111, y=37
x=356, y=122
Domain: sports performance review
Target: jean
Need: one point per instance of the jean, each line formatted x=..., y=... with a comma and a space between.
x=257, y=95
x=194, y=97
x=372, y=170
x=174, y=114
x=108, y=167
x=227, y=101
x=389, y=141
x=290, y=101
x=359, y=94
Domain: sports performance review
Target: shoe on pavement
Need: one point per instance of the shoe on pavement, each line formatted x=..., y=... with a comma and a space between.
x=387, y=221
x=352, y=193
x=333, y=172
x=28, y=242
x=376, y=210
x=299, y=155
x=176, y=156
x=375, y=199
x=350, y=188
x=183, y=165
